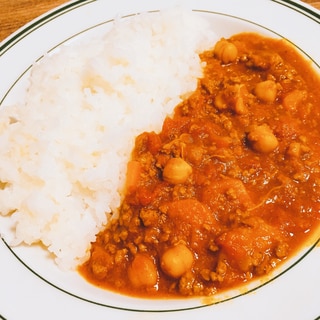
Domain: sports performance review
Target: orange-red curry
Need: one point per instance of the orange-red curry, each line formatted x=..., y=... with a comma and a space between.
x=231, y=185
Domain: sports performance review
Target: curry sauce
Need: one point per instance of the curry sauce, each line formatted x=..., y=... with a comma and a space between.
x=229, y=188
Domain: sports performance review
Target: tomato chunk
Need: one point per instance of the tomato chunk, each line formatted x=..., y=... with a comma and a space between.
x=191, y=211
x=248, y=245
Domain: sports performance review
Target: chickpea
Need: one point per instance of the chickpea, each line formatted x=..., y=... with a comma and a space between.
x=143, y=272
x=266, y=91
x=226, y=51
x=176, y=171
x=177, y=260
x=262, y=138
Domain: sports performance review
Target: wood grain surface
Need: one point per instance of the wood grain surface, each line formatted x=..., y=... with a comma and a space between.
x=16, y=13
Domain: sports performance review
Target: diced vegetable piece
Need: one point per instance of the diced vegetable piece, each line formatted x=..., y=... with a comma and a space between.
x=191, y=211
x=247, y=245
x=154, y=142
x=133, y=175
x=293, y=99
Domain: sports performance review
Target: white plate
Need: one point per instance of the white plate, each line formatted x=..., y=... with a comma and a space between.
x=32, y=287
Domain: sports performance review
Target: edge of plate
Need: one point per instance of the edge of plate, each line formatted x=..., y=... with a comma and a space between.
x=22, y=32
x=10, y=41
x=301, y=7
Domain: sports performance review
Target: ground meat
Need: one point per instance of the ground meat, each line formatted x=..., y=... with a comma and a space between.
x=230, y=186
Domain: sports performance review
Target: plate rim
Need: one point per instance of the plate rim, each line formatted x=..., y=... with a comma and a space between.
x=10, y=41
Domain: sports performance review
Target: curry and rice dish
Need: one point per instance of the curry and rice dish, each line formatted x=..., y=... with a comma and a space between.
x=204, y=178
x=229, y=188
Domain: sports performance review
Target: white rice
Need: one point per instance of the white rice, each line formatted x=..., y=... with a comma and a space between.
x=64, y=150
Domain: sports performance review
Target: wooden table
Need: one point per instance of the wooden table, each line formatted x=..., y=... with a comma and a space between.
x=15, y=13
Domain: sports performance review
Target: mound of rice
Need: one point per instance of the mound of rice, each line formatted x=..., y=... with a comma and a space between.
x=64, y=150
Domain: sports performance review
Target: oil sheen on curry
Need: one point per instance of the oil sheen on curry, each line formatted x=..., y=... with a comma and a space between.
x=229, y=188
